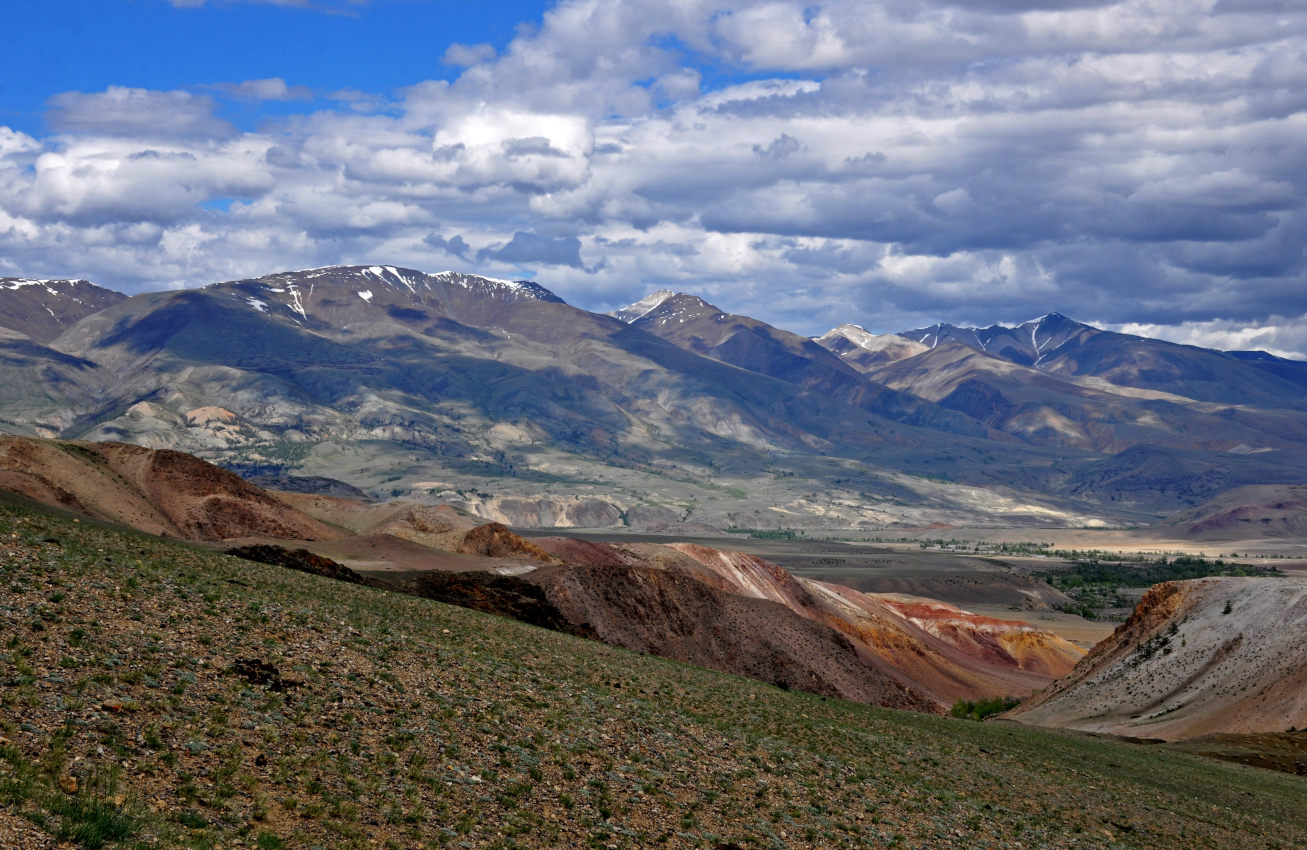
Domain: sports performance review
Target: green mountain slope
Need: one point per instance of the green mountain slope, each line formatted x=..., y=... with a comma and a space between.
x=193, y=700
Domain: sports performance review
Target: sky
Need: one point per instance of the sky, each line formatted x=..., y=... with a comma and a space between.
x=1140, y=165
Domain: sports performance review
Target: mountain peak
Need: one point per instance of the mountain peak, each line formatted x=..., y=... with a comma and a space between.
x=293, y=291
x=864, y=350
x=631, y=312
x=12, y=283
x=1028, y=343
x=1053, y=318
x=856, y=334
x=664, y=307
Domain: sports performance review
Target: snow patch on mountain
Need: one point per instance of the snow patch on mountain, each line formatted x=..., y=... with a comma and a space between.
x=14, y=283
x=296, y=302
x=643, y=307
x=412, y=281
x=862, y=338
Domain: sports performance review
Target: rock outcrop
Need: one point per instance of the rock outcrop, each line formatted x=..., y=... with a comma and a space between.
x=1214, y=655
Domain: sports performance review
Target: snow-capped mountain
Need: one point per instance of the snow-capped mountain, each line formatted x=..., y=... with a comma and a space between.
x=642, y=307
x=1057, y=345
x=1029, y=343
x=43, y=309
x=864, y=350
x=335, y=293
x=440, y=381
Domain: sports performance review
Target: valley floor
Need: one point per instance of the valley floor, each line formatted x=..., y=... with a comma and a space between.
x=159, y=694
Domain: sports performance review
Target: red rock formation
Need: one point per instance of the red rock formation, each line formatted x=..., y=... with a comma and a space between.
x=933, y=648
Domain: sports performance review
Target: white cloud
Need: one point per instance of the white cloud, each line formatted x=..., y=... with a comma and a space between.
x=895, y=162
x=463, y=55
x=271, y=88
x=1283, y=336
x=137, y=113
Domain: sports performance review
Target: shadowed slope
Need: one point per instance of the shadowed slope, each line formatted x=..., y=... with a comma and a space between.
x=1255, y=512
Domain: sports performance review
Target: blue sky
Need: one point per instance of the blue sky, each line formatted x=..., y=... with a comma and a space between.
x=89, y=45
x=1136, y=163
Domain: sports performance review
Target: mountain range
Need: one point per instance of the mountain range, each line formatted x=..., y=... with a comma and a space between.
x=499, y=398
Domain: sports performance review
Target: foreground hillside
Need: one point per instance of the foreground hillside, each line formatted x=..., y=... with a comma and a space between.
x=161, y=695
x=725, y=610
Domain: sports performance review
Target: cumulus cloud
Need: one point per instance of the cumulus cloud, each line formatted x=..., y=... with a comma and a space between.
x=464, y=55
x=894, y=162
x=137, y=113
x=1282, y=336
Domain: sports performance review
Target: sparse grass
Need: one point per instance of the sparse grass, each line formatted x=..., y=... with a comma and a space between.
x=402, y=722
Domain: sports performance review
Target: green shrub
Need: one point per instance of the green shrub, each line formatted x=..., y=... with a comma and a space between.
x=980, y=709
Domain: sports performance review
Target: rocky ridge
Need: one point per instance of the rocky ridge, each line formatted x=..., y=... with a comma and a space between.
x=1196, y=657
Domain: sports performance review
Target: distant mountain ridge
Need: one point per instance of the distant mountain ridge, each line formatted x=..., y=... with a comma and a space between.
x=1028, y=343
x=500, y=398
x=1061, y=346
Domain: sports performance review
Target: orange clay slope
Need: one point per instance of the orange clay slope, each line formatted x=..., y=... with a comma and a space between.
x=938, y=650
x=154, y=490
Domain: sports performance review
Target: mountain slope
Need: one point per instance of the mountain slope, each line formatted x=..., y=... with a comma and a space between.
x=1196, y=657
x=43, y=391
x=1255, y=512
x=697, y=326
x=1064, y=410
x=429, y=386
x=159, y=492
x=450, y=379
x=922, y=646
x=675, y=616
x=488, y=727
x=43, y=309
x=725, y=610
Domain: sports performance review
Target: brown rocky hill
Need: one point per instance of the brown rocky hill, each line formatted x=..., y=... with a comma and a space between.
x=929, y=647
x=157, y=491
x=676, y=616
x=1215, y=655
